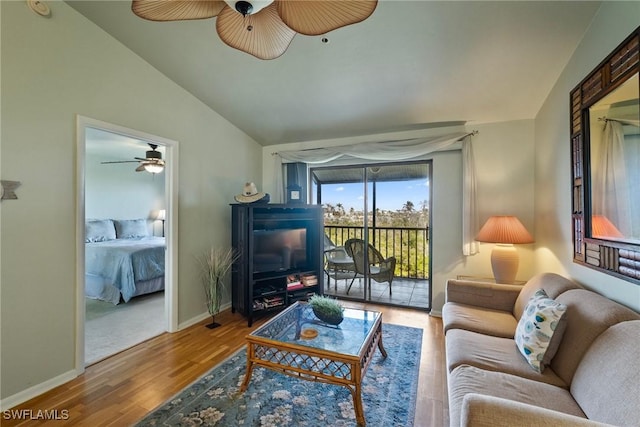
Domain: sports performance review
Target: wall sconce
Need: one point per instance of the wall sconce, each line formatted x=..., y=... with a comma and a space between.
x=7, y=189
x=505, y=231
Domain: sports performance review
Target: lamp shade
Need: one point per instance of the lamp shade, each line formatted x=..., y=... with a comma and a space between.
x=602, y=227
x=162, y=215
x=504, y=229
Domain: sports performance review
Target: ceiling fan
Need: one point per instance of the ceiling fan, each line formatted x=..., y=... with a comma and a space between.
x=262, y=28
x=152, y=163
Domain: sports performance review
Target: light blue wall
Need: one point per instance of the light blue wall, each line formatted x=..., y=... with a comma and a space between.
x=117, y=191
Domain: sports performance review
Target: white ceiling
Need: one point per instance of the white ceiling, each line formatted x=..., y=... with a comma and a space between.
x=412, y=64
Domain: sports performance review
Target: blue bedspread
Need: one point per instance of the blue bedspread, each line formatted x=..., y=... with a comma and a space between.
x=123, y=262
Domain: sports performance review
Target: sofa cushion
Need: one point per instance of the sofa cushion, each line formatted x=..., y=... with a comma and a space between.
x=540, y=329
x=480, y=410
x=588, y=315
x=482, y=294
x=492, y=354
x=553, y=284
x=483, y=320
x=611, y=368
x=469, y=379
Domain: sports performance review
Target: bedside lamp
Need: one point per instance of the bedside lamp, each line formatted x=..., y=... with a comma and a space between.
x=505, y=231
x=161, y=216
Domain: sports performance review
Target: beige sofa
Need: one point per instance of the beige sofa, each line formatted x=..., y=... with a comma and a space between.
x=593, y=379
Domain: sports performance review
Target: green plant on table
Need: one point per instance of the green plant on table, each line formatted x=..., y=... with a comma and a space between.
x=327, y=309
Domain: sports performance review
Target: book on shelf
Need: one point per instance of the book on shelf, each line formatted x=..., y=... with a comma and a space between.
x=266, y=290
x=292, y=279
x=294, y=286
x=309, y=280
x=272, y=301
x=263, y=305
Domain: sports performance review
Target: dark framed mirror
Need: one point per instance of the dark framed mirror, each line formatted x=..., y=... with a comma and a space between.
x=605, y=148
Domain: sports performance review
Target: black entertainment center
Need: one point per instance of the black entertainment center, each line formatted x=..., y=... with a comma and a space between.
x=280, y=256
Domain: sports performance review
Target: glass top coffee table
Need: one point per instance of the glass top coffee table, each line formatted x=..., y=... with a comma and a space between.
x=296, y=343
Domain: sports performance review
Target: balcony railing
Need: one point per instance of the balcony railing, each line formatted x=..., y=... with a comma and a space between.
x=410, y=246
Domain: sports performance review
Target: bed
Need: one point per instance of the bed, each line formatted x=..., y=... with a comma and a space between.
x=122, y=260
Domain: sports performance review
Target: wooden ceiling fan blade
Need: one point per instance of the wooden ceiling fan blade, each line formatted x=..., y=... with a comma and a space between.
x=140, y=168
x=176, y=10
x=315, y=17
x=262, y=35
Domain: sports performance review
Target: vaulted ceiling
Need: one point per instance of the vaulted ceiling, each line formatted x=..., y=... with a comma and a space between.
x=411, y=65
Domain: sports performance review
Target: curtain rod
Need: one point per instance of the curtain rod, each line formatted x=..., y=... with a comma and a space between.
x=606, y=119
x=472, y=133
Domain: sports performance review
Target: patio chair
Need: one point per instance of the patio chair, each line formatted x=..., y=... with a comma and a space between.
x=338, y=264
x=377, y=268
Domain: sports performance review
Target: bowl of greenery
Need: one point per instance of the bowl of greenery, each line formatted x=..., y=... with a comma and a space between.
x=327, y=309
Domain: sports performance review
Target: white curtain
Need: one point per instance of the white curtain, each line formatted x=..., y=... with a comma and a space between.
x=396, y=151
x=611, y=195
x=469, y=203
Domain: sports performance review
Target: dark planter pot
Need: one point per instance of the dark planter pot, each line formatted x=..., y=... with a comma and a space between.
x=327, y=318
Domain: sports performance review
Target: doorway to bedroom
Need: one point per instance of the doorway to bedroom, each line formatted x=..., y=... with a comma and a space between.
x=127, y=293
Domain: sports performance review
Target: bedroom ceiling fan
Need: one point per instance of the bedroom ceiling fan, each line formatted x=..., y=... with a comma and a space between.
x=262, y=28
x=152, y=163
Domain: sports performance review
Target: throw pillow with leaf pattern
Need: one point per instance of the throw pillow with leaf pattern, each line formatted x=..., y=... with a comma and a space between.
x=540, y=329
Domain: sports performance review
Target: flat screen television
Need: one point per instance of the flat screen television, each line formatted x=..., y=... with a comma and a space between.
x=280, y=250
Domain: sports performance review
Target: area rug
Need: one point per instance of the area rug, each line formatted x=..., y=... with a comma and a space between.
x=273, y=399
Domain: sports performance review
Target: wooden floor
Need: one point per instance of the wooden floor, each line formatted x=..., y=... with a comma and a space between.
x=120, y=390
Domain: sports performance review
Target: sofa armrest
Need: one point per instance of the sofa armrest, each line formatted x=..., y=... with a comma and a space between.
x=487, y=411
x=482, y=294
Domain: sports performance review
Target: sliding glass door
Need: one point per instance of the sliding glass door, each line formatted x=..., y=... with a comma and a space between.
x=384, y=210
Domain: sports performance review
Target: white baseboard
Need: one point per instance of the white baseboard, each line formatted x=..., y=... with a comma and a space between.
x=200, y=317
x=41, y=388
x=37, y=390
x=436, y=313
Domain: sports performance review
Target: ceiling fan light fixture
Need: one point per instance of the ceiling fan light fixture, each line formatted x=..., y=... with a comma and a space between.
x=154, y=167
x=248, y=7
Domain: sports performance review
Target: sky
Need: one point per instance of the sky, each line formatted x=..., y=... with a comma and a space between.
x=390, y=195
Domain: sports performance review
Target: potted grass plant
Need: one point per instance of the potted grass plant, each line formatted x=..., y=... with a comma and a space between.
x=216, y=264
x=327, y=309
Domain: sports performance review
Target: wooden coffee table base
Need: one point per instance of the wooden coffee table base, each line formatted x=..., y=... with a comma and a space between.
x=315, y=364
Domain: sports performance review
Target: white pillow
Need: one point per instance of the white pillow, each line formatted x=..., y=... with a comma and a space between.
x=540, y=329
x=99, y=230
x=131, y=228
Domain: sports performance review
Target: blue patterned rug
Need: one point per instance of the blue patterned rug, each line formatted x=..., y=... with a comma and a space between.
x=272, y=399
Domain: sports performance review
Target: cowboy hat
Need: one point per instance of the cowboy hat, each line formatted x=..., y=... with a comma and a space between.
x=250, y=194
